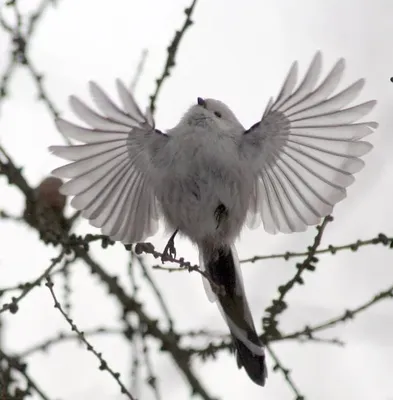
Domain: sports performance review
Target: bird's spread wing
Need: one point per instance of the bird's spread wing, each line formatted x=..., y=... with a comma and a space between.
x=307, y=148
x=110, y=174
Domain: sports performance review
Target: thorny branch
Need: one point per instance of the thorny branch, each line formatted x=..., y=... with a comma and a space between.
x=309, y=331
x=103, y=364
x=21, y=35
x=152, y=379
x=172, y=51
x=13, y=306
x=331, y=249
x=270, y=323
x=149, y=278
x=278, y=366
x=62, y=337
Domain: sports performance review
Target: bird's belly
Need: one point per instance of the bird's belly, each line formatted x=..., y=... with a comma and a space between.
x=206, y=198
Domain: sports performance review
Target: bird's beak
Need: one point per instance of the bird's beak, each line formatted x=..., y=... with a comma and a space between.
x=201, y=102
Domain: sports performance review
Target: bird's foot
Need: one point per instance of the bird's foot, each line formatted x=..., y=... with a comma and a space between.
x=170, y=250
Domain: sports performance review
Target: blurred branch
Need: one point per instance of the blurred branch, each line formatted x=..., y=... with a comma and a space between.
x=169, y=341
x=286, y=373
x=5, y=78
x=21, y=35
x=172, y=51
x=13, y=306
x=27, y=284
x=211, y=349
x=62, y=337
x=308, y=331
x=4, y=24
x=13, y=174
x=156, y=291
x=103, y=364
x=42, y=93
x=135, y=346
x=151, y=378
x=139, y=70
x=20, y=367
x=354, y=246
x=5, y=215
x=146, y=326
x=36, y=15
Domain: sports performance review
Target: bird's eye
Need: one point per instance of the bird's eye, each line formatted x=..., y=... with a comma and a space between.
x=217, y=114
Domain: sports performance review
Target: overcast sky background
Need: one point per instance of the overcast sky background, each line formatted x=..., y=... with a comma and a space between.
x=238, y=52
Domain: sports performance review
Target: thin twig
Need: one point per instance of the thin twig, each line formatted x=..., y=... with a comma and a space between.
x=286, y=373
x=135, y=351
x=19, y=366
x=156, y=291
x=64, y=337
x=5, y=78
x=151, y=378
x=103, y=364
x=42, y=94
x=278, y=305
x=345, y=316
x=172, y=50
x=13, y=306
x=36, y=16
x=168, y=340
x=27, y=284
x=332, y=249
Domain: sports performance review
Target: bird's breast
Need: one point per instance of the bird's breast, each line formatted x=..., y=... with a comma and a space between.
x=198, y=176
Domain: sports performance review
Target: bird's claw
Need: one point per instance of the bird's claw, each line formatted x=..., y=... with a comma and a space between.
x=170, y=251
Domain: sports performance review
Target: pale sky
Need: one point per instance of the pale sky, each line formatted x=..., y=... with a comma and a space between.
x=238, y=52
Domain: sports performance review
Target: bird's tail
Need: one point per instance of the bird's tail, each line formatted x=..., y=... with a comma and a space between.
x=222, y=266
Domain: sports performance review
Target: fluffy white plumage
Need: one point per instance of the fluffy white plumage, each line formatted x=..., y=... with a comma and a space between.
x=208, y=176
x=305, y=151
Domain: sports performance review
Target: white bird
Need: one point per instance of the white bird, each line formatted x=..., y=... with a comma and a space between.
x=209, y=176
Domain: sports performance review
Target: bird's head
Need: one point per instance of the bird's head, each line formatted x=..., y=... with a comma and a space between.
x=214, y=114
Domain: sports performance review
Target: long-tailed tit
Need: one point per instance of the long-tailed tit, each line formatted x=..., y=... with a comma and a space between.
x=209, y=176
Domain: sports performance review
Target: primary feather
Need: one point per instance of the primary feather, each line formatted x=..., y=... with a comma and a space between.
x=306, y=148
x=110, y=174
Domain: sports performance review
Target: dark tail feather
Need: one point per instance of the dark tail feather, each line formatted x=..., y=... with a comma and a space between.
x=254, y=364
x=222, y=267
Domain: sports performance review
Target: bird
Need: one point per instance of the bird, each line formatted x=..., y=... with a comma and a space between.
x=209, y=176
x=45, y=209
x=48, y=192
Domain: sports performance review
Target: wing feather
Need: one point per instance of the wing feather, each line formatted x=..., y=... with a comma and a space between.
x=110, y=173
x=307, y=147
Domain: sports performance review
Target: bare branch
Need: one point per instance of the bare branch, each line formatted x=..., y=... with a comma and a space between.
x=270, y=323
x=308, y=331
x=286, y=373
x=21, y=368
x=172, y=51
x=13, y=306
x=103, y=364
x=62, y=337
x=331, y=249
